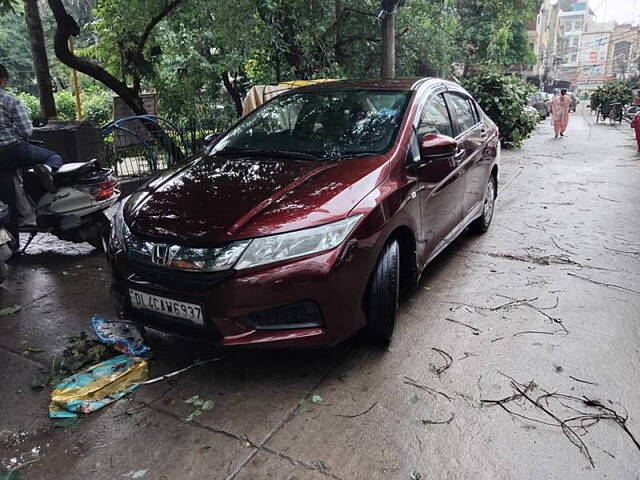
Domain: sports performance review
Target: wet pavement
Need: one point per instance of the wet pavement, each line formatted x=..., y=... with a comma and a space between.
x=540, y=314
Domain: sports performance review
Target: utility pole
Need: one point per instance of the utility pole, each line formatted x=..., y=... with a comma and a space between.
x=40, y=60
x=388, y=46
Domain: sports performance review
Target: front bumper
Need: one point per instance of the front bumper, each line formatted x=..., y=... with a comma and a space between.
x=310, y=302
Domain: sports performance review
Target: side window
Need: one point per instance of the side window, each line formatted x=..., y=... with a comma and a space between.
x=435, y=118
x=465, y=113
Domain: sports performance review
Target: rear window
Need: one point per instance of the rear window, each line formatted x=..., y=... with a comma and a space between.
x=465, y=112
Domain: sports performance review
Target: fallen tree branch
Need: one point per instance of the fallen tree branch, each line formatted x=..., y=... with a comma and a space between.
x=475, y=329
x=429, y=390
x=582, y=381
x=533, y=331
x=571, y=425
x=448, y=360
x=604, y=284
x=560, y=248
x=359, y=414
x=437, y=422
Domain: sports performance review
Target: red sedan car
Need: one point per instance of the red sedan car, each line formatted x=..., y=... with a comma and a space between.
x=299, y=225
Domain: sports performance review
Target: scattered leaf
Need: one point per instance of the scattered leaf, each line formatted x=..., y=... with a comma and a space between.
x=316, y=399
x=10, y=310
x=29, y=351
x=195, y=400
x=196, y=413
x=303, y=406
x=208, y=405
x=139, y=473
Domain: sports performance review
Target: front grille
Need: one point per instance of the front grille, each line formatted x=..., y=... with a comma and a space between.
x=299, y=315
x=176, y=279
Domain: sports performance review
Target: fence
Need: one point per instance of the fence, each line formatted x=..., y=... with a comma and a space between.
x=139, y=145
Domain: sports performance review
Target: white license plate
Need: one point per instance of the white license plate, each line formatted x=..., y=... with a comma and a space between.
x=167, y=306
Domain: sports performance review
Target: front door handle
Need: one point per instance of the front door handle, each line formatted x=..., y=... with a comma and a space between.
x=458, y=158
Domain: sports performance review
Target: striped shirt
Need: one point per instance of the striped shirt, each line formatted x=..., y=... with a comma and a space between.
x=14, y=120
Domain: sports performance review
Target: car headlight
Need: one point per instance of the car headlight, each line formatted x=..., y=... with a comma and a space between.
x=205, y=259
x=286, y=246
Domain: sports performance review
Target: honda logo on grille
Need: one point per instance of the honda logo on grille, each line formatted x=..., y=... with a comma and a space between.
x=162, y=255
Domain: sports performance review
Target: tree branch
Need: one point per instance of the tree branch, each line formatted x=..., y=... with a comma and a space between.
x=151, y=25
x=67, y=27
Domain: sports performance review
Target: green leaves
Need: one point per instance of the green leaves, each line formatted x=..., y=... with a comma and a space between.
x=503, y=98
x=10, y=310
x=200, y=404
x=612, y=92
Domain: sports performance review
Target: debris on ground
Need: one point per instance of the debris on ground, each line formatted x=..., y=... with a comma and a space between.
x=573, y=415
x=136, y=473
x=97, y=386
x=122, y=335
x=10, y=310
x=361, y=413
x=177, y=372
x=437, y=422
x=30, y=351
x=448, y=360
x=80, y=353
x=200, y=404
x=316, y=399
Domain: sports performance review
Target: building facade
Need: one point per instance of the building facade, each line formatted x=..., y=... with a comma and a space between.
x=573, y=50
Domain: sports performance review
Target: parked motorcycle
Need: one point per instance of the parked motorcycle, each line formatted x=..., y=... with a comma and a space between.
x=76, y=211
x=5, y=240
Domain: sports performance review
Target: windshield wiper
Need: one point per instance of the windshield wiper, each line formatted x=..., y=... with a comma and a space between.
x=356, y=155
x=277, y=153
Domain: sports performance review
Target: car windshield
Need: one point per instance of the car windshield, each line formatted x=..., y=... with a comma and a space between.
x=322, y=124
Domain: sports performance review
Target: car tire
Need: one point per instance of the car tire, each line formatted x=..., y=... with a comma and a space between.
x=382, y=295
x=3, y=272
x=482, y=223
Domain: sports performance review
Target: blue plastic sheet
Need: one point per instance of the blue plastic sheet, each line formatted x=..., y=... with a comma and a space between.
x=97, y=386
x=122, y=335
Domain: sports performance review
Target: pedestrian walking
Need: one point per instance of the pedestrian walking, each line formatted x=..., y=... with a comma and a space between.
x=635, y=124
x=560, y=112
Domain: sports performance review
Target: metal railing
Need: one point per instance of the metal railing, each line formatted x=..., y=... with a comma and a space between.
x=143, y=144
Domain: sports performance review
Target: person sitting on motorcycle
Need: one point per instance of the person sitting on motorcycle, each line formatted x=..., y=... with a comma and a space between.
x=16, y=152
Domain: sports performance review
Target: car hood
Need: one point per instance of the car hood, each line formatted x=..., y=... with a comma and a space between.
x=214, y=200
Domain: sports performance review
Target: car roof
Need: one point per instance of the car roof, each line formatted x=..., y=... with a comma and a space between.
x=401, y=84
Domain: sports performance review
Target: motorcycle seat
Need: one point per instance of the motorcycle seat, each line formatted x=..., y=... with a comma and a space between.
x=75, y=168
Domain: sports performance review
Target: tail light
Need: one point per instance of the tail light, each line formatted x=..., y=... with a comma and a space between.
x=101, y=191
x=106, y=189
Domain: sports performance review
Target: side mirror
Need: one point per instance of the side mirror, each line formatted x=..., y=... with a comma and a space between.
x=434, y=146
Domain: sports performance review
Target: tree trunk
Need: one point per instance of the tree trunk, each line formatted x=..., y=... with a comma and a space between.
x=40, y=60
x=233, y=93
x=388, y=46
x=338, y=52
